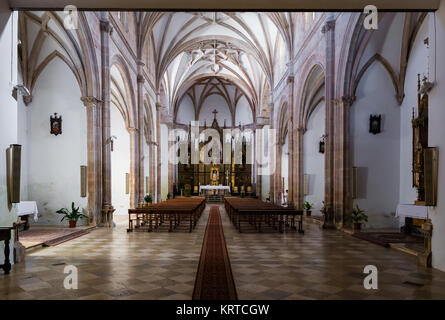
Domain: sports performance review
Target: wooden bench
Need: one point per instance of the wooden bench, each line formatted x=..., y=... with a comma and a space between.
x=173, y=211
x=258, y=213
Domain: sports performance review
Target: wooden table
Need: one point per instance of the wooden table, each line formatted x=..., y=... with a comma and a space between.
x=5, y=235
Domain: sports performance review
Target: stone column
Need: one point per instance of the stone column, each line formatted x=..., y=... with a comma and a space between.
x=342, y=172
x=170, y=165
x=107, y=207
x=290, y=135
x=141, y=123
x=94, y=145
x=329, y=31
x=152, y=169
x=134, y=166
x=158, y=152
x=299, y=170
x=278, y=178
x=258, y=157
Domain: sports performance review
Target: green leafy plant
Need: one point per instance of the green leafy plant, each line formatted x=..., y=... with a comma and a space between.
x=307, y=206
x=72, y=215
x=148, y=198
x=358, y=215
x=187, y=192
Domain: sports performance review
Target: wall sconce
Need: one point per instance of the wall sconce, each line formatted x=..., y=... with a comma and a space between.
x=83, y=181
x=322, y=144
x=13, y=169
x=375, y=124
x=55, y=124
x=110, y=140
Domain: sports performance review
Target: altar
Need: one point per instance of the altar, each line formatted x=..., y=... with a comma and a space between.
x=217, y=188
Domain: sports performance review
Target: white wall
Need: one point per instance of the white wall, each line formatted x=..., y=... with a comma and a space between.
x=186, y=111
x=376, y=156
x=211, y=103
x=243, y=113
x=313, y=161
x=8, y=109
x=54, y=161
x=437, y=134
x=120, y=162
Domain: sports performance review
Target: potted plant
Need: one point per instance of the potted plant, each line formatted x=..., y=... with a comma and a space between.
x=72, y=215
x=307, y=206
x=358, y=217
x=148, y=198
x=187, y=192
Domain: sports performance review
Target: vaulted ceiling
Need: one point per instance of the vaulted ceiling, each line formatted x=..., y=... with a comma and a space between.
x=248, y=50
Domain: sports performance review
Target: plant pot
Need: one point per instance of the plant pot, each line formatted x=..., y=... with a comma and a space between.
x=357, y=226
x=308, y=213
x=72, y=223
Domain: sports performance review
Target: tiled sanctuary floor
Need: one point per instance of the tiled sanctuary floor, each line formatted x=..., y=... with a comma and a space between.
x=114, y=264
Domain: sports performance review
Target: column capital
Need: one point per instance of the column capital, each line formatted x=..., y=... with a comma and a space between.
x=90, y=101
x=301, y=129
x=140, y=78
x=133, y=130
x=345, y=100
x=328, y=26
x=105, y=26
x=290, y=79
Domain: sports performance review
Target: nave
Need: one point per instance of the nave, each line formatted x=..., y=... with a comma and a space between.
x=162, y=265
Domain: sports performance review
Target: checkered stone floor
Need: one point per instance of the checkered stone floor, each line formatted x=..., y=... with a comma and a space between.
x=323, y=265
x=114, y=264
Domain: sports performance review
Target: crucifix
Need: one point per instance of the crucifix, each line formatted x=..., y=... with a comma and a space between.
x=214, y=113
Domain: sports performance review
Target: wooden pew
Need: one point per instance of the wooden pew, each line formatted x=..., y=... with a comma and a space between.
x=173, y=211
x=258, y=213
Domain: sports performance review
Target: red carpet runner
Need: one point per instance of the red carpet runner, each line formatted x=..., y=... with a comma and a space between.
x=214, y=280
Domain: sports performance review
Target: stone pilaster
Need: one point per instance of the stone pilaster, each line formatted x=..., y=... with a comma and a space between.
x=141, y=140
x=291, y=143
x=299, y=171
x=107, y=207
x=342, y=165
x=329, y=31
x=170, y=164
x=158, y=152
x=94, y=143
x=134, y=166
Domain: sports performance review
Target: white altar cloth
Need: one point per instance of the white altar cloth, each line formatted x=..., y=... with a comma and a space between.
x=27, y=208
x=412, y=211
x=213, y=188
